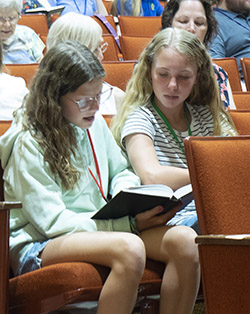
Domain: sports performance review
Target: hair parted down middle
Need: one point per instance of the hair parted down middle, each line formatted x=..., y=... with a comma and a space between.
x=64, y=68
x=139, y=89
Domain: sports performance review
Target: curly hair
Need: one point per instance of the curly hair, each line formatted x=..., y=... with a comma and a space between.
x=173, y=6
x=64, y=69
x=139, y=89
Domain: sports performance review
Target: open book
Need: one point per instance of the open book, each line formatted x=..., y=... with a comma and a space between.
x=134, y=200
x=46, y=8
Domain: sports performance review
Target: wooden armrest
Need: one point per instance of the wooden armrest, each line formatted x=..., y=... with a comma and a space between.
x=233, y=239
x=10, y=205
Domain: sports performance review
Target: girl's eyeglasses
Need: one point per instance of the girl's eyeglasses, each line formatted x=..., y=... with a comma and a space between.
x=86, y=102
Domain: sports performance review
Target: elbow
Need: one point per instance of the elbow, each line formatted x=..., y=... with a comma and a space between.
x=149, y=178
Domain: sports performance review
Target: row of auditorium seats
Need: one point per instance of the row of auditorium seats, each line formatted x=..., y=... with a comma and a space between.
x=135, y=33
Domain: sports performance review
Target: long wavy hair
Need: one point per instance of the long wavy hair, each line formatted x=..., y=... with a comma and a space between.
x=173, y=6
x=136, y=7
x=139, y=89
x=64, y=69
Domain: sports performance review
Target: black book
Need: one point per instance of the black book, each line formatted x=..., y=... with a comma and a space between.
x=134, y=200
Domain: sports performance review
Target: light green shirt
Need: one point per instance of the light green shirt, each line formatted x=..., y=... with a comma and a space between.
x=48, y=210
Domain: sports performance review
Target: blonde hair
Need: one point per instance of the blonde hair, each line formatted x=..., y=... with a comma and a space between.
x=76, y=27
x=136, y=7
x=139, y=89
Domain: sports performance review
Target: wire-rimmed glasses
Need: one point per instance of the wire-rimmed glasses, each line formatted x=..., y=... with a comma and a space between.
x=86, y=102
x=10, y=19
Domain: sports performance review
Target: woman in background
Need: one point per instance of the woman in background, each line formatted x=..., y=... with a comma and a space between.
x=86, y=31
x=196, y=16
x=20, y=43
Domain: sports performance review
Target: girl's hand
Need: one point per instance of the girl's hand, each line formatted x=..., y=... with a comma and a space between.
x=153, y=218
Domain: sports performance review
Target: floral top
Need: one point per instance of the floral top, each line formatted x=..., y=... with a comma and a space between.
x=222, y=80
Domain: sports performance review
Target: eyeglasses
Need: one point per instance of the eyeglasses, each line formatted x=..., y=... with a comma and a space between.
x=86, y=102
x=103, y=47
x=11, y=19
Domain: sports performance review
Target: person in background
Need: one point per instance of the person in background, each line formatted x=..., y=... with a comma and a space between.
x=85, y=7
x=172, y=94
x=86, y=31
x=196, y=16
x=136, y=7
x=62, y=162
x=12, y=91
x=20, y=43
x=233, y=38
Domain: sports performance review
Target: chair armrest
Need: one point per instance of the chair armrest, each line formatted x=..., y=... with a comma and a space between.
x=9, y=205
x=233, y=239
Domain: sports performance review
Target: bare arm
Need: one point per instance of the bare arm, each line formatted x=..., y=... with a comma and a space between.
x=145, y=163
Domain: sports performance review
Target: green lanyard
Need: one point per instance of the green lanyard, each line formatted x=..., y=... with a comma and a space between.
x=170, y=127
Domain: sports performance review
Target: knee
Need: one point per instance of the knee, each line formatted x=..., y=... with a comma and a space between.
x=179, y=243
x=132, y=255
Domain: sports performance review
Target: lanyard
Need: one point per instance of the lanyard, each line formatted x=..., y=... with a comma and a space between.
x=99, y=184
x=170, y=127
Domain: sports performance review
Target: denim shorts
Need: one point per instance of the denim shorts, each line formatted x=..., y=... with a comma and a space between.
x=186, y=217
x=31, y=261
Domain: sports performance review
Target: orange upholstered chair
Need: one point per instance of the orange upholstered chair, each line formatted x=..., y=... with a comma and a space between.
x=219, y=173
x=242, y=100
x=132, y=46
x=231, y=67
x=51, y=288
x=27, y=71
x=38, y=22
x=112, y=53
x=111, y=21
x=245, y=65
x=241, y=119
x=118, y=73
x=143, y=26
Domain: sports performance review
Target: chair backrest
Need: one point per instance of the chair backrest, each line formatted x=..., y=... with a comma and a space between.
x=143, y=26
x=245, y=65
x=132, y=46
x=38, y=22
x=219, y=173
x=118, y=73
x=27, y=71
x=111, y=21
x=231, y=67
x=112, y=53
x=242, y=100
x=241, y=119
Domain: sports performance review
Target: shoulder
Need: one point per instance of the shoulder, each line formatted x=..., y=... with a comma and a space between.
x=220, y=72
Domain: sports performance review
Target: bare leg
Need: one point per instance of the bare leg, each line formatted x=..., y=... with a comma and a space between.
x=124, y=253
x=176, y=247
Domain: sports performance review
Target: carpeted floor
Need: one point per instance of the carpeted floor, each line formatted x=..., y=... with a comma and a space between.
x=199, y=308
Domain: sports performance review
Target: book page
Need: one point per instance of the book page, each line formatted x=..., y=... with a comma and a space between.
x=184, y=190
x=152, y=189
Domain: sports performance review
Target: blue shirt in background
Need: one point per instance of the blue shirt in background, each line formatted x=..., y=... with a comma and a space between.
x=149, y=8
x=86, y=7
x=233, y=39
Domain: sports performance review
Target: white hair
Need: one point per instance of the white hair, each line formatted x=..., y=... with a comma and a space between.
x=76, y=27
x=12, y=4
